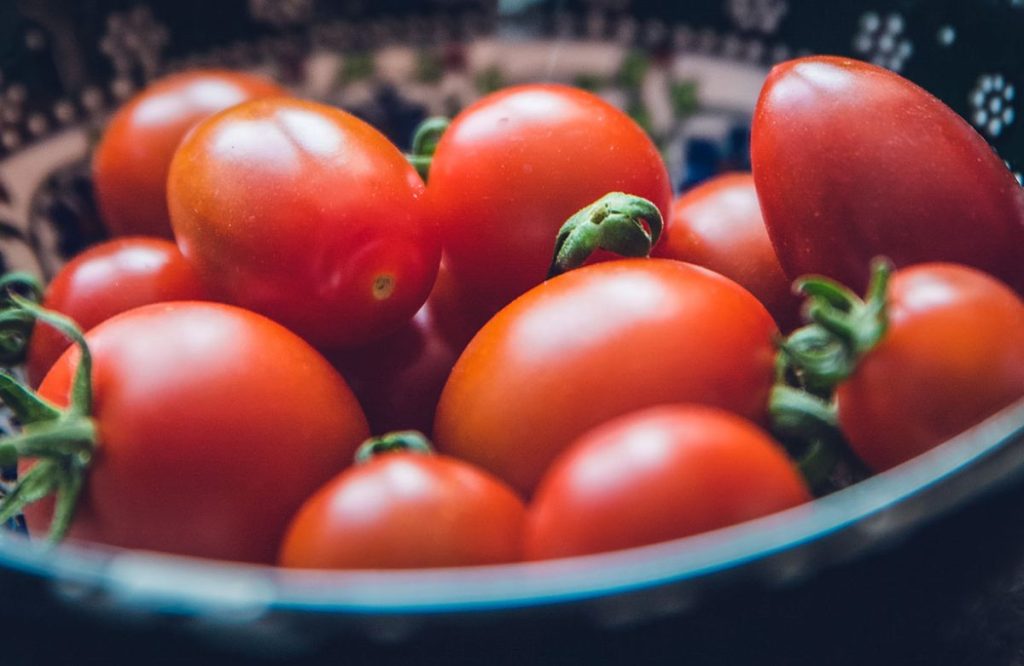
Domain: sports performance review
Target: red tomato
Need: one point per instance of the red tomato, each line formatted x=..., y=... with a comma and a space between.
x=306, y=214
x=515, y=165
x=595, y=343
x=106, y=280
x=952, y=355
x=214, y=424
x=852, y=161
x=404, y=511
x=655, y=475
x=398, y=379
x=718, y=225
x=134, y=156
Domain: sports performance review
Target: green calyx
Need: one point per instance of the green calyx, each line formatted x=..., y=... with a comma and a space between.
x=424, y=144
x=625, y=224
x=814, y=360
x=61, y=441
x=15, y=323
x=402, y=441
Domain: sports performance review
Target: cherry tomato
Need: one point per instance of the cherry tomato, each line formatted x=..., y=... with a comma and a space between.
x=515, y=165
x=852, y=161
x=306, y=214
x=404, y=511
x=655, y=475
x=596, y=343
x=214, y=425
x=108, y=279
x=398, y=379
x=133, y=158
x=718, y=225
x=953, y=354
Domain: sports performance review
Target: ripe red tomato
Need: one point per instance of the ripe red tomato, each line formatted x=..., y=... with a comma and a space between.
x=214, y=425
x=655, y=475
x=306, y=214
x=134, y=156
x=595, y=343
x=953, y=354
x=515, y=165
x=403, y=511
x=718, y=225
x=398, y=378
x=852, y=161
x=106, y=280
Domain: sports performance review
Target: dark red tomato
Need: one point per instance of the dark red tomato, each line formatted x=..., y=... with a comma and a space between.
x=655, y=475
x=457, y=314
x=306, y=214
x=214, y=425
x=106, y=280
x=134, y=156
x=718, y=225
x=952, y=355
x=515, y=165
x=398, y=379
x=596, y=343
x=405, y=511
x=852, y=161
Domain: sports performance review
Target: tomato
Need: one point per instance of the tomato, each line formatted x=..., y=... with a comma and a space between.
x=306, y=214
x=515, y=165
x=108, y=279
x=133, y=157
x=596, y=343
x=214, y=425
x=406, y=510
x=655, y=475
x=952, y=354
x=852, y=161
x=718, y=225
x=398, y=378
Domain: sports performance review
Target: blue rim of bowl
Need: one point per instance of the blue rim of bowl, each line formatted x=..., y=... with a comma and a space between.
x=186, y=586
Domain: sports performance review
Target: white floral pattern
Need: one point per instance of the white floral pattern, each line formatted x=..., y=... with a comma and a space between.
x=883, y=41
x=758, y=15
x=992, y=104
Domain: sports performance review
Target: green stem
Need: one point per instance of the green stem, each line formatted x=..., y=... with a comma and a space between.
x=402, y=441
x=625, y=224
x=424, y=144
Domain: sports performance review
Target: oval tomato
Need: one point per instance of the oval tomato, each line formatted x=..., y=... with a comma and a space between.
x=952, y=354
x=407, y=510
x=655, y=475
x=214, y=425
x=514, y=166
x=595, y=343
x=133, y=157
x=852, y=161
x=306, y=214
x=718, y=225
x=105, y=280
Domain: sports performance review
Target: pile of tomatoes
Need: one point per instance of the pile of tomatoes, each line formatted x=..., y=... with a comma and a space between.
x=596, y=365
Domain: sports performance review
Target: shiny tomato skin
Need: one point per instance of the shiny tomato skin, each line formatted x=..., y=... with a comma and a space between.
x=718, y=225
x=105, y=280
x=655, y=475
x=406, y=511
x=852, y=161
x=515, y=165
x=953, y=354
x=214, y=423
x=596, y=343
x=306, y=214
x=133, y=157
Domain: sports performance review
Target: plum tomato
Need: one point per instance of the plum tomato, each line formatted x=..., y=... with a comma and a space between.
x=595, y=343
x=105, y=280
x=655, y=475
x=852, y=161
x=306, y=214
x=133, y=157
x=514, y=166
x=404, y=509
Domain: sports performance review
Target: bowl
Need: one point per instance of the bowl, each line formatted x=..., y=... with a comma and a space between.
x=690, y=73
